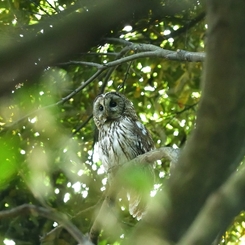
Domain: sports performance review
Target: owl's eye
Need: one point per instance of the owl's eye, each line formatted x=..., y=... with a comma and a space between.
x=101, y=108
x=113, y=103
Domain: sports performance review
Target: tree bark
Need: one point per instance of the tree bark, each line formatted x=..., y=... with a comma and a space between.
x=217, y=144
x=69, y=35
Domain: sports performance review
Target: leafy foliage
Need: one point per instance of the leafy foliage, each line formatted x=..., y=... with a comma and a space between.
x=47, y=140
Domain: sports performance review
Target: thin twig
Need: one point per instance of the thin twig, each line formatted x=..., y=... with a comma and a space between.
x=51, y=6
x=98, y=54
x=186, y=27
x=82, y=86
x=82, y=125
x=118, y=40
x=62, y=101
x=7, y=127
x=127, y=73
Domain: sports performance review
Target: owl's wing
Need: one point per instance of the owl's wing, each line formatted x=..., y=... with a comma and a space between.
x=138, y=195
x=145, y=142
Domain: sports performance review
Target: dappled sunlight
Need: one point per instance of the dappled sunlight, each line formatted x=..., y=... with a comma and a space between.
x=8, y=242
x=49, y=150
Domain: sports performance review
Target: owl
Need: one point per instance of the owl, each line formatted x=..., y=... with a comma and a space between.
x=122, y=137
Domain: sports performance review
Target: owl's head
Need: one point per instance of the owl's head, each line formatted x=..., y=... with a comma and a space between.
x=111, y=106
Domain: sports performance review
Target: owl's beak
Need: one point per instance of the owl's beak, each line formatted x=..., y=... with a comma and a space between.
x=103, y=118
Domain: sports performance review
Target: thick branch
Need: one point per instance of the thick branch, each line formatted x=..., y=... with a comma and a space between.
x=217, y=145
x=231, y=198
x=74, y=34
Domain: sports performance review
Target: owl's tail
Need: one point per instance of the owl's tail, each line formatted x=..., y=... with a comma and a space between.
x=136, y=205
x=138, y=193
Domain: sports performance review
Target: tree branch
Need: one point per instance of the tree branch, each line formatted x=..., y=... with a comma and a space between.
x=82, y=125
x=52, y=234
x=76, y=33
x=59, y=217
x=148, y=51
x=150, y=157
x=217, y=144
x=186, y=27
x=63, y=100
x=226, y=203
x=211, y=155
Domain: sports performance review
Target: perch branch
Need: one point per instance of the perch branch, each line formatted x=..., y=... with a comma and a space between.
x=157, y=154
x=150, y=157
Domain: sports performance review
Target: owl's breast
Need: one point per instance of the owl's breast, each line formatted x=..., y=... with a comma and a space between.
x=118, y=143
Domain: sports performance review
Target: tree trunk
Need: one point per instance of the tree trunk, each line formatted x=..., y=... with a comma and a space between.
x=216, y=146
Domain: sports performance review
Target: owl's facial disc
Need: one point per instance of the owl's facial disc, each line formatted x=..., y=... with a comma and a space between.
x=109, y=107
